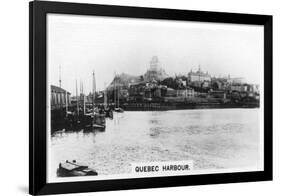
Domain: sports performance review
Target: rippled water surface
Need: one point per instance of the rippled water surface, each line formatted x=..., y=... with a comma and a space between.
x=213, y=139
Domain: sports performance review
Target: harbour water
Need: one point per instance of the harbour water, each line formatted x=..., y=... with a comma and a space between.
x=213, y=139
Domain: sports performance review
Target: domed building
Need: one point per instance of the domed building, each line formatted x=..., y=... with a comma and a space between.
x=155, y=72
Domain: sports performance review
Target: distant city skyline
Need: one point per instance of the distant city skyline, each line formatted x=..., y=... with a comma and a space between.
x=81, y=45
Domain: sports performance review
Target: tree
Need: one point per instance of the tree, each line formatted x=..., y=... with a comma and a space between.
x=169, y=82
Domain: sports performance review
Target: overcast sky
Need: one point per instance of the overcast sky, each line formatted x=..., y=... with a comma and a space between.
x=81, y=44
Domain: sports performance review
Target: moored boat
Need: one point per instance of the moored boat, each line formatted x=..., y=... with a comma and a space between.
x=98, y=114
x=108, y=113
x=71, y=169
x=99, y=121
x=118, y=110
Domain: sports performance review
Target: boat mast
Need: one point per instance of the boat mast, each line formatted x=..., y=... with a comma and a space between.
x=84, y=102
x=77, y=100
x=105, y=96
x=83, y=98
x=118, y=96
x=94, y=89
x=114, y=89
x=66, y=103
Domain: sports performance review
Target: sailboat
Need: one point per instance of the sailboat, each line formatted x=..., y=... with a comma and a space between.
x=76, y=119
x=85, y=118
x=98, y=115
x=117, y=107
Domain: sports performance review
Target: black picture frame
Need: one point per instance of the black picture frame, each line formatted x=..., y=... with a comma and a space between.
x=37, y=97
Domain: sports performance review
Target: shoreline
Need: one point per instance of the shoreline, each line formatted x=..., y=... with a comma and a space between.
x=166, y=107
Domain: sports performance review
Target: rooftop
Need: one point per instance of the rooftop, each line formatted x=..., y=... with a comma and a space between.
x=58, y=89
x=199, y=73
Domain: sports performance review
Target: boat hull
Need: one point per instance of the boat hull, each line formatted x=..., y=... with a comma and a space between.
x=72, y=169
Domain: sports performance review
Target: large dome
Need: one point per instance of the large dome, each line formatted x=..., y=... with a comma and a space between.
x=155, y=72
x=154, y=63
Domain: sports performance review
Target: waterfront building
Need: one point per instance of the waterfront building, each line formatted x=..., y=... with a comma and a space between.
x=59, y=97
x=174, y=99
x=188, y=92
x=218, y=94
x=171, y=92
x=136, y=89
x=147, y=94
x=225, y=82
x=156, y=92
x=155, y=72
x=256, y=88
x=220, y=84
x=198, y=76
x=163, y=90
x=179, y=95
x=239, y=88
x=206, y=84
x=252, y=88
x=136, y=92
x=152, y=93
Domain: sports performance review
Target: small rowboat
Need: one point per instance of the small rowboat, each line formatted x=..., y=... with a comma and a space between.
x=71, y=169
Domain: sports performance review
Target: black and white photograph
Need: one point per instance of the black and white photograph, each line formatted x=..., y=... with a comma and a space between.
x=134, y=98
